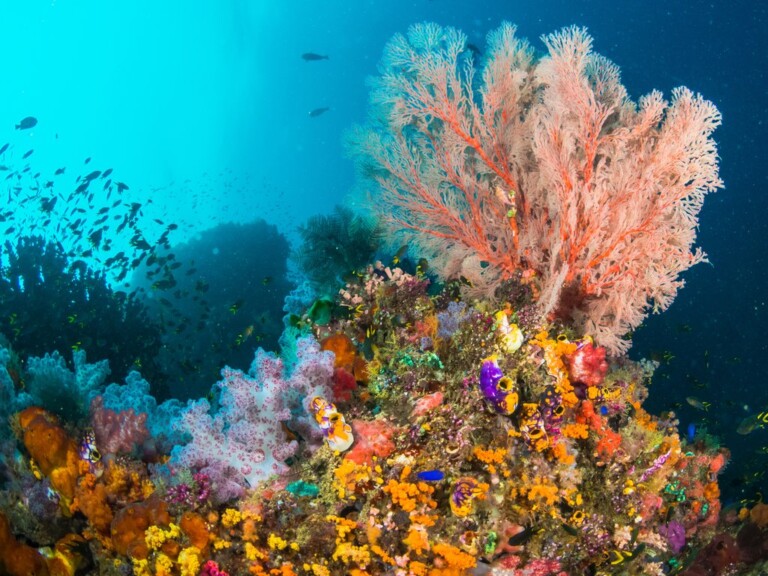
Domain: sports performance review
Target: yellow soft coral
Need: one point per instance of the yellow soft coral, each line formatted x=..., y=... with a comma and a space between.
x=417, y=539
x=543, y=491
x=155, y=536
x=348, y=475
x=189, y=561
x=231, y=517
x=318, y=569
x=141, y=568
x=490, y=456
x=454, y=558
x=253, y=554
x=407, y=494
x=348, y=553
x=343, y=526
x=163, y=566
x=276, y=543
x=554, y=350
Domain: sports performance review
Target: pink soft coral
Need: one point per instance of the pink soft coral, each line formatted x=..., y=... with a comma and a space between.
x=117, y=432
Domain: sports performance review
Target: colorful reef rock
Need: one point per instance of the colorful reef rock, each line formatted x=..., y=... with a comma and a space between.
x=439, y=471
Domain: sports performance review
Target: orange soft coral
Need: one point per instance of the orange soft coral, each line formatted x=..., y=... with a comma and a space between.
x=91, y=500
x=456, y=560
x=343, y=349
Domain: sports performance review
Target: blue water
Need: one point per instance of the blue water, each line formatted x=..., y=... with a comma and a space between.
x=203, y=109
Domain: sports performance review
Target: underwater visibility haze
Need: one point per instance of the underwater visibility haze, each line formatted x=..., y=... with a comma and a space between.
x=419, y=287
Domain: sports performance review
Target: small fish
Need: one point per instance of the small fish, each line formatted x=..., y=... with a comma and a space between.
x=691, y=432
x=235, y=308
x=47, y=204
x=242, y=337
x=4, y=148
x=311, y=57
x=318, y=111
x=751, y=423
x=266, y=281
x=397, y=258
x=59, y=171
x=26, y=123
x=522, y=537
x=621, y=556
x=95, y=237
x=431, y=475
x=27, y=154
x=698, y=404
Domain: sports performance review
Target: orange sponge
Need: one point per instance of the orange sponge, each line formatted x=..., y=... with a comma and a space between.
x=131, y=522
x=17, y=559
x=54, y=452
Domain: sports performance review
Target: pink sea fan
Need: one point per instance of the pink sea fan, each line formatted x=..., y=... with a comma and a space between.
x=543, y=167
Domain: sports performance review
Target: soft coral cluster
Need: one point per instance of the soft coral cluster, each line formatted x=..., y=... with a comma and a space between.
x=244, y=442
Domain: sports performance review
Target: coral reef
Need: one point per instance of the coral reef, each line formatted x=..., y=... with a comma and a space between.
x=483, y=423
x=444, y=475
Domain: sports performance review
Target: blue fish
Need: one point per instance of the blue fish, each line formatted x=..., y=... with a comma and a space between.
x=430, y=475
x=691, y=432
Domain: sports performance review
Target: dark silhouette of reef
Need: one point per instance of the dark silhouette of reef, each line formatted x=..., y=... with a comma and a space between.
x=222, y=300
x=51, y=302
x=333, y=247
